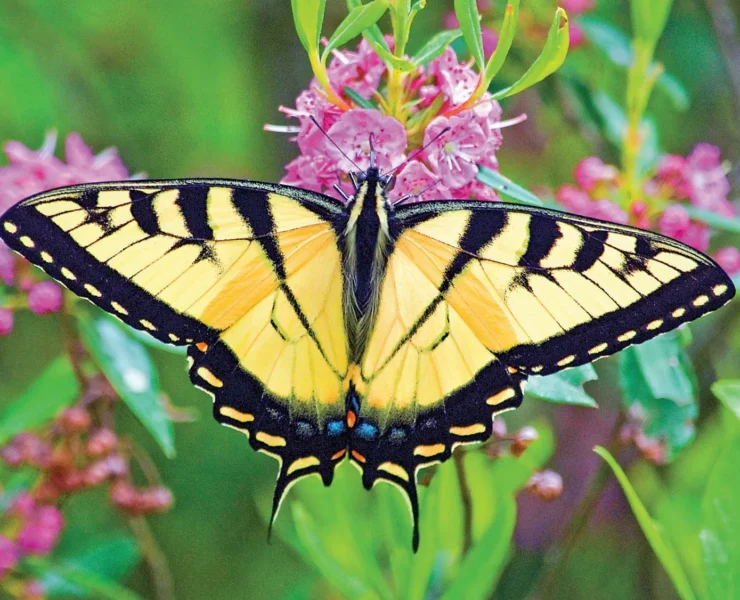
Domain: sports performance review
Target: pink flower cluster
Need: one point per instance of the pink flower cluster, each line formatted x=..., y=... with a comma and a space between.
x=446, y=168
x=30, y=172
x=698, y=180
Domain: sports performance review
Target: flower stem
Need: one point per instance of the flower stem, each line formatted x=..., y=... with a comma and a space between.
x=155, y=558
x=467, y=501
x=556, y=559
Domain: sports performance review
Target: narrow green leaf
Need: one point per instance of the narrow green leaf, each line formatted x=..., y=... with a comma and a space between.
x=483, y=565
x=110, y=558
x=467, y=15
x=565, y=387
x=372, y=33
x=435, y=46
x=505, y=39
x=721, y=222
x=504, y=185
x=360, y=18
x=728, y=391
x=308, y=16
x=54, y=389
x=356, y=98
x=92, y=584
x=552, y=56
x=308, y=533
x=394, y=61
x=130, y=371
x=720, y=535
x=649, y=18
x=660, y=545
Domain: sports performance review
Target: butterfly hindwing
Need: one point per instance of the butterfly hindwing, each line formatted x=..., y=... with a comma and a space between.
x=248, y=275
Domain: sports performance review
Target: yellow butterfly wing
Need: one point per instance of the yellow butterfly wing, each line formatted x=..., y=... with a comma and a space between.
x=478, y=296
x=248, y=275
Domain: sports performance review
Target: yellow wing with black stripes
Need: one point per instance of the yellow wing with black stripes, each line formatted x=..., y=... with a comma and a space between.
x=478, y=296
x=248, y=275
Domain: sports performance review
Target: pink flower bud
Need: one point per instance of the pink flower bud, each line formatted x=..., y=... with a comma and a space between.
x=74, y=419
x=577, y=37
x=23, y=506
x=729, y=259
x=6, y=321
x=546, y=485
x=100, y=443
x=522, y=440
x=45, y=297
x=7, y=265
x=575, y=7
x=674, y=222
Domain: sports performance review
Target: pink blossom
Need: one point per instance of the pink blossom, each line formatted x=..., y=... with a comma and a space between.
x=7, y=265
x=6, y=322
x=674, y=222
x=456, y=81
x=729, y=259
x=455, y=155
x=45, y=297
x=8, y=556
x=708, y=180
x=577, y=36
x=577, y=6
x=359, y=70
x=34, y=171
x=416, y=180
x=671, y=176
x=490, y=41
x=40, y=533
x=591, y=173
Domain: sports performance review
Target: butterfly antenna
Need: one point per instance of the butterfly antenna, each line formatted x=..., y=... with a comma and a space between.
x=328, y=137
x=417, y=152
x=372, y=152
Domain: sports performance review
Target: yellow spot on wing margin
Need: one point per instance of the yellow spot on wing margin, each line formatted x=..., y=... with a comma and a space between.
x=394, y=469
x=66, y=273
x=10, y=227
x=303, y=463
x=118, y=308
x=469, y=430
x=718, y=290
x=206, y=375
x=148, y=324
x=93, y=291
x=46, y=257
x=27, y=241
x=654, y=324
x=567, y=360
x=237, y=415
x=678, y=313
x=431, y=450
x=701, y=300
x=627, y=336
x=270, y=440
x=598, y=349
x=501, y=396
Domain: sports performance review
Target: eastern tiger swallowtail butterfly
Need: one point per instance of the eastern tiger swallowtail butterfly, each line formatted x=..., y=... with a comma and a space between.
x=385, y=335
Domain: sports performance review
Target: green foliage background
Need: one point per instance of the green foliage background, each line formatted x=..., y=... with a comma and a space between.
x=183, y=89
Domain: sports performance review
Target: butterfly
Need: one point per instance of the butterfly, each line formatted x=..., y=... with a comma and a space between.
x=386, y=335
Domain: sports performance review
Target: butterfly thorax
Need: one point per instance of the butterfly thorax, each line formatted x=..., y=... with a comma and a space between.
x=368, y=245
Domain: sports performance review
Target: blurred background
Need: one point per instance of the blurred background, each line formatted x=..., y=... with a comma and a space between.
x=183, y=89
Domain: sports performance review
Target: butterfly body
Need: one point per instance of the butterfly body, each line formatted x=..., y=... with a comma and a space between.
x=386, y=336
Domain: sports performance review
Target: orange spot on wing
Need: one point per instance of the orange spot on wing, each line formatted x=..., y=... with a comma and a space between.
x=339, y=454
x=202, y=346
x=357, y=456
x=351, y=419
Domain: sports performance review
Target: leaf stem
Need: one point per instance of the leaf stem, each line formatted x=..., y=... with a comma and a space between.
x=467, y=501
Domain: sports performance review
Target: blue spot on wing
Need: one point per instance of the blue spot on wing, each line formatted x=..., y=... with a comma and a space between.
x=367, y=431
x=335, y=427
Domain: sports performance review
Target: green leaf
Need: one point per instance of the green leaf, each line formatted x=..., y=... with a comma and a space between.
x=721, y=222
x=483, y=565
x=92, y=584
x=310, y=536
x=728, y=391
x=435, y=46
x=720, y=535
x=505, y=39
x=54, y=389
x=657, y=380
x=565, y=387
x=358, y=20
x=397, y=63
x=662, y=548
x=373, y=33
x=504, y=185
x=111, y=559
x=356, y=98
x=129, y=369
x=552, y=57
x=467, y=15
x=649, y=18
x=308, y=16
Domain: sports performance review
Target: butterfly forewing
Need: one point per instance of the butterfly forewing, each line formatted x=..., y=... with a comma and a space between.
x=248, y=275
